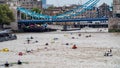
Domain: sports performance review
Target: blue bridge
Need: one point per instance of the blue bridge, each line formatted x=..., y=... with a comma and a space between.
x=73, y=15
x=63, y=20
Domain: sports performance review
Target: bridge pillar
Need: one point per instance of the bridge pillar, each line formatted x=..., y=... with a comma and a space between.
x=19, y=15
x=14, y=25
x=114, y=24
x=26, y=17
x=65, y=27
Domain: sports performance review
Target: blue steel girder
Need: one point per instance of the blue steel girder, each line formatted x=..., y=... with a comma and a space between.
x=63, y=20
x=84, y=7
x=30, y=13
x=87, y=8
x=74, y=9
x=77, y=10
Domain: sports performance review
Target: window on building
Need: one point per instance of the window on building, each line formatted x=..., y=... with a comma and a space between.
x=14, y=4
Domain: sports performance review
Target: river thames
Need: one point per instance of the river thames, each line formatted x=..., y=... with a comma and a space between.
x=58, y=53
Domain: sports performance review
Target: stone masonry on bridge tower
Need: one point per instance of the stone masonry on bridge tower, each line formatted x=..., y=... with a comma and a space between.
x=114, y=23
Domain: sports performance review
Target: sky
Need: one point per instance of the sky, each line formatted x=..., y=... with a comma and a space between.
x=68, y=2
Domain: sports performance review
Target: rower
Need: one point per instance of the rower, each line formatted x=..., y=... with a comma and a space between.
x=19, y=62
x=74, y=47
x=6, y=64
x=46, y=44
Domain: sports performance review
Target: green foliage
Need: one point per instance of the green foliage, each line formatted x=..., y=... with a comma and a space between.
x=23, y=16
x=6, y=15
x=51, y=7
x=114, y=30
x=37, y=10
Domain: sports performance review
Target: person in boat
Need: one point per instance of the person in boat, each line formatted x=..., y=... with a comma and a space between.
x=46, y=44
x=36, y=41
x=79, y=34
x=31, y=37
x=67, y=43
x=74, y=47
x=108, y=53
x=6, y=64
x=19, y=62
x=28, y=41
x=110, y=50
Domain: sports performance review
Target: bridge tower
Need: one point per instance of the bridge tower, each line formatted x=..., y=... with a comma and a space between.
x=13, y=6
x=114, y=23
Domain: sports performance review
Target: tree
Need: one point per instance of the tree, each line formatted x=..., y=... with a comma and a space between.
x=36, y=10
x=6, y=15
x=51, y=7
x=23, y=16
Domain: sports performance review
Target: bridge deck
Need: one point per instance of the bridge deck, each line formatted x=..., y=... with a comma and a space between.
x=63, y=20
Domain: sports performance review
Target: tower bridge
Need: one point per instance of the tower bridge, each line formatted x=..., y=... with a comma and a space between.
x=72, y=15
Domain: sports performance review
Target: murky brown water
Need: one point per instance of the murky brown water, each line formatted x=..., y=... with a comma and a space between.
x=89, y=54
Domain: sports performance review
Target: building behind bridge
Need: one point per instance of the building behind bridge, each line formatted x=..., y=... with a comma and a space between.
x=29, y=4
x=2, y=1
x=104, y=10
